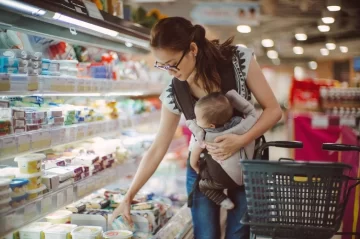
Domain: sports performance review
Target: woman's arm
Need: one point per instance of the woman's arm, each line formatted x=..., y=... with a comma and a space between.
x=227, y=145
x=195, y=156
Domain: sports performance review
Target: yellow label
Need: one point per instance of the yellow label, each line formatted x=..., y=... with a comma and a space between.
x=33, y=85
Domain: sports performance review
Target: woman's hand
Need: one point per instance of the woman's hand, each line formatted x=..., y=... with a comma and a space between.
x=123, y=210
x=226, y=145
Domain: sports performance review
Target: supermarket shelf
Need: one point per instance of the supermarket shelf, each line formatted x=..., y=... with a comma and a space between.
x=34, y=141
x=54, y=200
x=73, y=86
x=100, y=29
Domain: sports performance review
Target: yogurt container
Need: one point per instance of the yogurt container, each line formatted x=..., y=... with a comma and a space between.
x=31, y=163
x=18, y=187
x=118, y=234
x=18, y=201
x=5, y=194
x=4, y=184
x=60, y=231
x=36, y=192
x=34, y=230
x=59, y=217
x=87, y=232
x=34, y=180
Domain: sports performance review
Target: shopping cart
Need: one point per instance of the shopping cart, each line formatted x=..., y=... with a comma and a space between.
x=297, y=200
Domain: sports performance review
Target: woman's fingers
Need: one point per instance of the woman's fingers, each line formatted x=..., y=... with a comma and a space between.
x=216, y=151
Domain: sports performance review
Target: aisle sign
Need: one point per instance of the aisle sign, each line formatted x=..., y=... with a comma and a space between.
x=226, y=13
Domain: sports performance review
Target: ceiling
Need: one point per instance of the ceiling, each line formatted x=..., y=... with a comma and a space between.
x=279, y=21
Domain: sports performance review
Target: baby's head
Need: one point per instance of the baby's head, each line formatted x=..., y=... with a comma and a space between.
x=213, y=110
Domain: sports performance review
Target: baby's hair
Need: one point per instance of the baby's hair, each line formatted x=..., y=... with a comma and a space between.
x=216, y=108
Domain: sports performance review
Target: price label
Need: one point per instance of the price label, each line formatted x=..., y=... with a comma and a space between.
x=46, y=205
x=41, y=140
x=319, y=121
x=60, y=199
x=58, y=136
x=70, y=195
x=30, y=211
x=4, y=82
x=8, y=146
x=24, y=143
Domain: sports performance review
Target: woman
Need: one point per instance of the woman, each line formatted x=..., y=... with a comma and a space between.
x=182, y=49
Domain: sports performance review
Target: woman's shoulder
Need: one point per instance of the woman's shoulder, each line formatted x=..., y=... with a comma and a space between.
x=244, y=52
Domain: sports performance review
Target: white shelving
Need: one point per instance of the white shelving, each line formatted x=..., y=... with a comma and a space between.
x=33, y=141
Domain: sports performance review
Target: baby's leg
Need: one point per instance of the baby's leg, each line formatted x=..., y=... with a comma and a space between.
x=215, y=192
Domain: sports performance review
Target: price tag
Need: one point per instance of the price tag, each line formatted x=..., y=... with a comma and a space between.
x=70, y=85
x=70, y=195
x=41, y=140
x=319, y=121
x=30, y=211
x=60, y=199
x=4, y=82
x=58, y=136
x=45, y=205
x=23, y=143
x=8, y=146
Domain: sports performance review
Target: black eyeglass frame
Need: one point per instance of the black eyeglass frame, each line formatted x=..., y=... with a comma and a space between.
x=168, y=67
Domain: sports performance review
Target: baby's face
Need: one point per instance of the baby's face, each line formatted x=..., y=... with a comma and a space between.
x=200, y=120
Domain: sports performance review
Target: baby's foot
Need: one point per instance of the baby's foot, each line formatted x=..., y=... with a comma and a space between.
x=227, y=204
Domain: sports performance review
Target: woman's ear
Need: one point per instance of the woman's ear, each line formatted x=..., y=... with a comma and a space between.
x=194, y=48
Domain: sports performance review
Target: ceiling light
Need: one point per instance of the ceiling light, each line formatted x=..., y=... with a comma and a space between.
x=313, y=65
x=301, y=36
x=333, y=5
x=90, y=26
x=243, y=29
x=330, y=45
x=267, y=43
x=298, y=50
x=128, y=44
x=324, y=51
x=344, y=49
x=272, y=54
x=23, y=7
x=328, y=20
x=324, y=28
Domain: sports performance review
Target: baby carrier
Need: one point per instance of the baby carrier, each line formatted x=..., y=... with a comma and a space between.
x=186, y=102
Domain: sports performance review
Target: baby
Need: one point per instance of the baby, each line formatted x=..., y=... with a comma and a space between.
x=214, y=117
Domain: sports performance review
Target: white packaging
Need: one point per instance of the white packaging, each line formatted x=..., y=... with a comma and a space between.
x=87, y=232
x=30, y=163
x=60, y=231
x=34, y=230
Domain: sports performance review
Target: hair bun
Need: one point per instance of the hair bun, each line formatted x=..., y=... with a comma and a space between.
x=199, y=33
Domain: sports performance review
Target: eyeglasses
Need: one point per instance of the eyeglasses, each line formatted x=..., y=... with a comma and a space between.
x=173, y=68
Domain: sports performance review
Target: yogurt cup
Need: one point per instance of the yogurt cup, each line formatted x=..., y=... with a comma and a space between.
x=31, y=163
x=36, y=192
x=60, y=231
x=18, y=201
x=87, y=232
x=59, y=217
x=34, y=230
x=34, y=180
x=4, y=184
x=118, y=234
x=18, y=187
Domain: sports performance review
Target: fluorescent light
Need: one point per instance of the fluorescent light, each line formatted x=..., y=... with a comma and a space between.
x=298, y=50
x=267, y=43
x=272, y=54
x=67, y=94
x=301, y=36
x=344, y=49
x=330, y=45
x=135, y=93
x=333, y=5
x=90, y=26
x=137, y=42
x=128, y=44
x=324, y=51
x=23, y=7
x=243, y=29
x=313, y=65
x=324, y=28
x=334, y=8
x=328, y=20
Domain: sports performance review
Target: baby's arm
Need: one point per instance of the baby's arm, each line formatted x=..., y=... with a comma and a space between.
x=195, y=156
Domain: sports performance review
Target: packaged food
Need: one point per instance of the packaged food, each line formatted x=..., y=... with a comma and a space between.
x=34, y=230
x=4, y=104
x=59, y=231
x=118, y=234
x=35, y=115
x=18, y=114
x=59, y=217
x=76, y=207
x=31, y=163
x=18, y=201
x=18, y=187
x=97, y=203
x=4, y=184
x=36, y=192
x=31, y=127
x=5, y=194
x=34, y=180
x=15, y=53
x=142, y=206
x=36, y=121
x=4, y=205
x=87, y=232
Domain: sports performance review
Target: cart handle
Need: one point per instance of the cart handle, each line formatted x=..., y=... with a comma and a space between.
x=340, y=147
x=278, y=144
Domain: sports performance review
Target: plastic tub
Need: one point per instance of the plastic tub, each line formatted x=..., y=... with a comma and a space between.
x=36, y=192
x=87, y=232
x=4, y=184
x=5, y=194
x=60, y=231
x=18, y=201
x=31, y=163
x=18, y=187
x=34, y=230
x=59, y=217
x=118, y=234
x=34, y=180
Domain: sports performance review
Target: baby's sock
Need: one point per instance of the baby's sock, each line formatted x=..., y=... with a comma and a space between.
x=227, y=204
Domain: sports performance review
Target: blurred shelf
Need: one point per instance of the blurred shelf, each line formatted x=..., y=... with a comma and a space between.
x=35, y=141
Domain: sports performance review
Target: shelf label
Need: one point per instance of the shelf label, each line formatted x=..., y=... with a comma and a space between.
x=40, y=140
x=30, y=211
x=45, y=205
x=8, y=146
x=70, y=195
x=60, y=199
x=4, y=83
x=24, y=143
x=58, y=136
x=320, y=121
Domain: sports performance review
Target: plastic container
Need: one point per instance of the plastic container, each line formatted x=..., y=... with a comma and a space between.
x=118, y=234
x=87, y=232
x=5, y=194
x=36, y=192
x=18, y=187
x=18, y=201
x=30, y=164
x=60, y=231
x=34, y=180
x=4, y=205
x=4, y=184
x=59, y=217
x=34, y=230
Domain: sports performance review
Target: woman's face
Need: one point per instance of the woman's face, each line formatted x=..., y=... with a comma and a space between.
x=178, y=64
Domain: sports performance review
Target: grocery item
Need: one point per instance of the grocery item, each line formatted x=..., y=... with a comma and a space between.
x=87, y=232
x=76, y=207
x=4, y=205
x=18, y=201
x=18, y=187
x=34, y=230
x=31, y=163
x=59, y=217
x=36, y=192
x=118, y=234
x=4, y=184
x=59, y=231
x=34, y=180
x=5, y=194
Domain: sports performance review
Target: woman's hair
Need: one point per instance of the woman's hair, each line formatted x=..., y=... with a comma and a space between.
x=177, y=33
x=216, y=108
